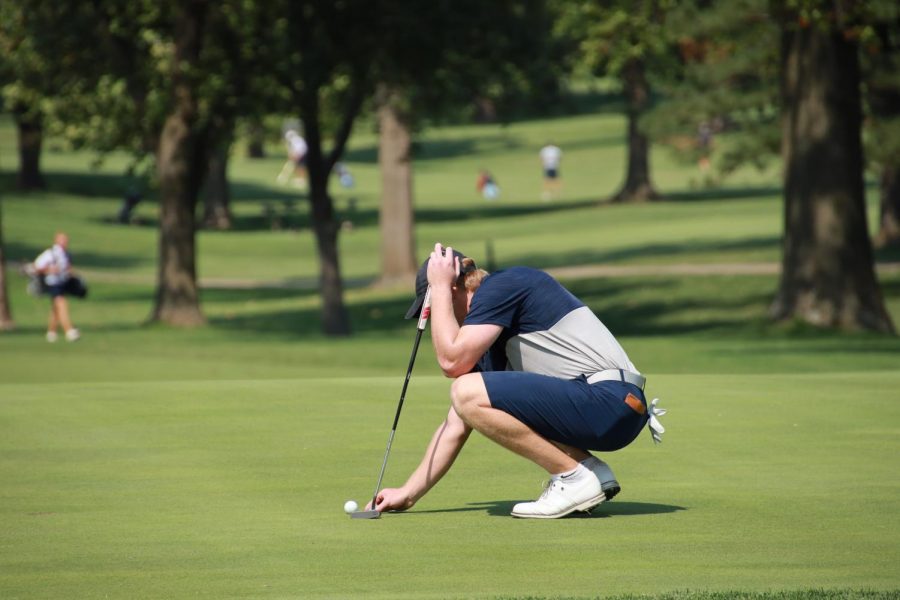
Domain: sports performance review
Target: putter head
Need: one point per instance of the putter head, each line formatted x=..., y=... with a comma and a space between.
x=365, y=514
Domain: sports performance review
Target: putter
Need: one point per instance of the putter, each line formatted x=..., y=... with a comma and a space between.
x=423, y=320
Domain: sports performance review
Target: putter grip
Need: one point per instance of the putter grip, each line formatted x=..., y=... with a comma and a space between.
x=426, y=309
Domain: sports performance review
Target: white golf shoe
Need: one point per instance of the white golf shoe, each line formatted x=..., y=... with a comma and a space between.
x=580, y=490
x=608, y=481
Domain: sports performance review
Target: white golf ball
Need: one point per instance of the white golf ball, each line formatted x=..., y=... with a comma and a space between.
x=350, y=506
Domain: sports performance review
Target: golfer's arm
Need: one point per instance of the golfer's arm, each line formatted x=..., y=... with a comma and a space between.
x=445, y=445
x=44, y=269
x=457, y=348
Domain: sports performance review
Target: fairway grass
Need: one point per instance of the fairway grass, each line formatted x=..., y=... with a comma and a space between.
x=220, y=489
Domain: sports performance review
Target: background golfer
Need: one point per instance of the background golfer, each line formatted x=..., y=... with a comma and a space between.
x=536, y=371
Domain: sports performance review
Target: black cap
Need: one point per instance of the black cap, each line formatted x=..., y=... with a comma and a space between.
x=422, y=284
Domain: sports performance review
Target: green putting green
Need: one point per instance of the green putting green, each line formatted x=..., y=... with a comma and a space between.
x=236, y=488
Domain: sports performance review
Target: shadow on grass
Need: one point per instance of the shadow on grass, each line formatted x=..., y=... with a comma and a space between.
x=283, y=208
x=723, y=193
x=87, y=332
x=888, y=254
x=285, y=211
x=624, y=305
x=438, y=148
x=630, y=307
x=214, y=295
x=627, y=306
x=627, y=309
x=377, y=316
x=503, y=508
x=293, y=214
x=21, y=252
x=734, y=193
x=107, y=186
x=87, y=184
x=650, y=250
x=296, y=215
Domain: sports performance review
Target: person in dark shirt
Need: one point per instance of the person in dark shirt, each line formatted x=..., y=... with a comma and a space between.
x=535, y=371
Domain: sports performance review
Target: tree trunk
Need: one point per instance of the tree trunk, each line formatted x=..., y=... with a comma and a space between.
x=6, y=320
x=217, y=198
x=889, y=228
x=637, y=187
x=31, y=135
x=256, y=135
x=396, y=220
x=335, y=320
x=828, y=275
x=180, y=165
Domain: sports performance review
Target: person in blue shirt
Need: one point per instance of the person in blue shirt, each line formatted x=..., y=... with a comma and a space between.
x=535, y=371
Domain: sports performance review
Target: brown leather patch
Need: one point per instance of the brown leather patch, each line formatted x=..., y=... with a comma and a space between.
x=635, y=404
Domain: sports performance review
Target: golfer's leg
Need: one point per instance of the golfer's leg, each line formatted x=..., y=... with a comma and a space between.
x=578, y=454
x=472, y=404
x=52, y=321
x=61, y=307
x=285, y=170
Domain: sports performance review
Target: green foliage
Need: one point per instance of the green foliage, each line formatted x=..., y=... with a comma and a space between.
x=880, y=61
x=730, y=74
x=18, y=63
x=498, y=53
x=610, y=33
x=728, y=80
x=115, y=92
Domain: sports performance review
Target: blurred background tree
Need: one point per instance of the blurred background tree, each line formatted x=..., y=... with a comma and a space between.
x=625, y=40
x=755, y=74
x=828, y=273
x=720, y=103
x=174, y=83
x=23, y=73
x=161, y=80
x=880, y=44
x=461, y=60
x=325, y=51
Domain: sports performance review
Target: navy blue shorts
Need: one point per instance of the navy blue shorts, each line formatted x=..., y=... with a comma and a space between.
x=570, y=411
x=551, y=173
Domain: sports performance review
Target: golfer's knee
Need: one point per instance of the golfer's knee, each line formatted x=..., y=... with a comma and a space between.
x=468, y=394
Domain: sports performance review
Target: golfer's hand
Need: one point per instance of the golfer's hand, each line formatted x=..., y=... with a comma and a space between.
x=443, y=267
x=391, y=499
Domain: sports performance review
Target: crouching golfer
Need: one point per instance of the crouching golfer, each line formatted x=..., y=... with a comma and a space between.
x=535, y=371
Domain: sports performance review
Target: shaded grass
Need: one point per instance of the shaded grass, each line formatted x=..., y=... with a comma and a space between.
x=675, y=325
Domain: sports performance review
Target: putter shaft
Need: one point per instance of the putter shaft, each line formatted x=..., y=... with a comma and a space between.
x=423, y=320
